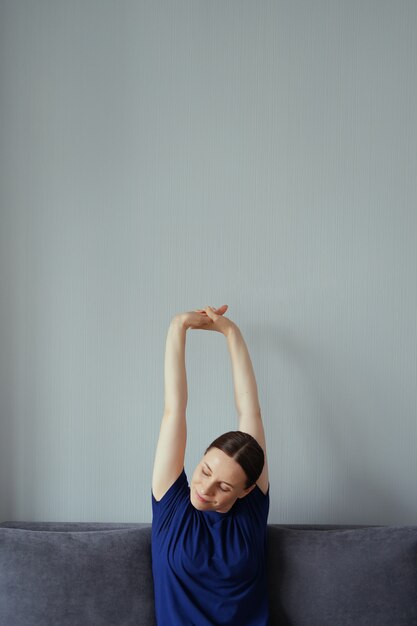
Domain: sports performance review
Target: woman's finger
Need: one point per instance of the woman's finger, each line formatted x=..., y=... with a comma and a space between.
x=212, y=313
x=222, y=308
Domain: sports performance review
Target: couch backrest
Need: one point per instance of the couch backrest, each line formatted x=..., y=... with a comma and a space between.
x=98, y=574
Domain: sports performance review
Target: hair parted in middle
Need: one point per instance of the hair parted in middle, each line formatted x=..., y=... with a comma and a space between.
x=245, y=450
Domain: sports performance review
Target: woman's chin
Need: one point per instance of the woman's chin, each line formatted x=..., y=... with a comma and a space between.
x=196, y=504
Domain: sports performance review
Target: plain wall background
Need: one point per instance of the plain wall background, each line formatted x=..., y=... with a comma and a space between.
x=157, y=157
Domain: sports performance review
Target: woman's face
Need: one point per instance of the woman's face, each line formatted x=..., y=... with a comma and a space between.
x=218, y=481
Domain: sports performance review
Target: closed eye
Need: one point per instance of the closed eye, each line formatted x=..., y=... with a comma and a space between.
x=207, y=474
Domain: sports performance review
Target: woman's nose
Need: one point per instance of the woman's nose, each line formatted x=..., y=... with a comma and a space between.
x=207, y=487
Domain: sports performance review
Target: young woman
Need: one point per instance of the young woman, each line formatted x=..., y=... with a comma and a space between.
x=209, y=537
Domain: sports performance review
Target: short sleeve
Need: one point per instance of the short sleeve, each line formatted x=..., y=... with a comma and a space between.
x=256, y=506
x=164, y=509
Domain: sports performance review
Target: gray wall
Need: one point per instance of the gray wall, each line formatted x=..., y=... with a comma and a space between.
x=158, y=157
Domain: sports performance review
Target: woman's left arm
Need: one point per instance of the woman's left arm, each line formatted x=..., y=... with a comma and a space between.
x=246, y=394
x=245, y=388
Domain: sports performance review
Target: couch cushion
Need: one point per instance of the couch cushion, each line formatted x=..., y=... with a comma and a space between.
x=78, y=575
x=356, y=577
x=95, y=574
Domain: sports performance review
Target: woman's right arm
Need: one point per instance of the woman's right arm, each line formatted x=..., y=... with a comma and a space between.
x=170, y=449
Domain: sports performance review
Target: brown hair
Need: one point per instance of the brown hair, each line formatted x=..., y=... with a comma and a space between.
x=245, y=450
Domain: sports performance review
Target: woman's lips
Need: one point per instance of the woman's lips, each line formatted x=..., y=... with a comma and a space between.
x=201, y=498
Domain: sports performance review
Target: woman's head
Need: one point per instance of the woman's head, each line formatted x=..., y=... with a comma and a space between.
x=229, y=469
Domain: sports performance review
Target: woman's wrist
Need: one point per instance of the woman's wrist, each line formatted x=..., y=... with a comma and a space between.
x=230, y=329
x=179, y=322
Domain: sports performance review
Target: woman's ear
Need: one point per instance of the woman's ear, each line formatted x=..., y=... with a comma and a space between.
x=246, y=491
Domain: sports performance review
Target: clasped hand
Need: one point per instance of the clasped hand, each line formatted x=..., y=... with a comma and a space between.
x=207, y=319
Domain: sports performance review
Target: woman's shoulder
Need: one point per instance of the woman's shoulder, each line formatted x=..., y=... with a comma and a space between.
x=177, y=483
x=174, y=501
x=254, y=507
x=263, y=487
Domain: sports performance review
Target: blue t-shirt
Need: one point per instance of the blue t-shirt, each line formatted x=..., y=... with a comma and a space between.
x=209, y=568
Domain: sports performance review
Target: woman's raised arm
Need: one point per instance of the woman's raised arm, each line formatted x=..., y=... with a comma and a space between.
x=246, y=395
x=170, y=449
x=245, y=387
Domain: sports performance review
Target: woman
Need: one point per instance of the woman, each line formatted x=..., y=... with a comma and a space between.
x=209, y=538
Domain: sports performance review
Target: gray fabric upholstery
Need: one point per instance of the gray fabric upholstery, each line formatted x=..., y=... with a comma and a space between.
x=75, y=575
x=82, y=574
x=350, y=577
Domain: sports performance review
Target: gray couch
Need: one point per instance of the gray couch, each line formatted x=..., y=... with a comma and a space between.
x=81, y=574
